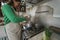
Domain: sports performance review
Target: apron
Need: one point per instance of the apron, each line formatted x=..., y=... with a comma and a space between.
x=13, y=31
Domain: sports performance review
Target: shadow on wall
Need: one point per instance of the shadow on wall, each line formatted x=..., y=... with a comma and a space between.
x=44, y=1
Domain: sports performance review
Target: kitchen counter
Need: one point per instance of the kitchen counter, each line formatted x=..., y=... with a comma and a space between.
x=55, y=36
x=40, y=36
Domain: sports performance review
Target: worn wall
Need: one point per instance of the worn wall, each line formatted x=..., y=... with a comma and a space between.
x=49, y=19
x=55, y=19
x=56, y=5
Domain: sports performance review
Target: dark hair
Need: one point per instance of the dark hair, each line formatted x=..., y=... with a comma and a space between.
x=11, y=2
x=3, y=1
x=18, y=0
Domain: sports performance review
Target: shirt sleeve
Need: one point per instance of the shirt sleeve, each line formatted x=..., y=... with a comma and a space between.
x=9, y=12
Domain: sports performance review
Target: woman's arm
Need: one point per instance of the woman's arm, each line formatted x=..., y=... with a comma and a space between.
x=9, y=12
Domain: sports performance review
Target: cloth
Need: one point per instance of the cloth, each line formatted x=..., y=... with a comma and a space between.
x=13, y=31
x=3, y=35
x=4, y=38
x=9, y=15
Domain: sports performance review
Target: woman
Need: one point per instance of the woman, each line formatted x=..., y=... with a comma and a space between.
x=11, y=21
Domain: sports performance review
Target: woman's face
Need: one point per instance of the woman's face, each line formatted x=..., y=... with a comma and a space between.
x=16, y=5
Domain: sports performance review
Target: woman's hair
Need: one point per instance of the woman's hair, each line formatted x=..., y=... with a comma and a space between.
x=10, y=2
x=4, y=1
x=18, y=0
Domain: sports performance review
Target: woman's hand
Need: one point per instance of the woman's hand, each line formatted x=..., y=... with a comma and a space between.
x=27, y=17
